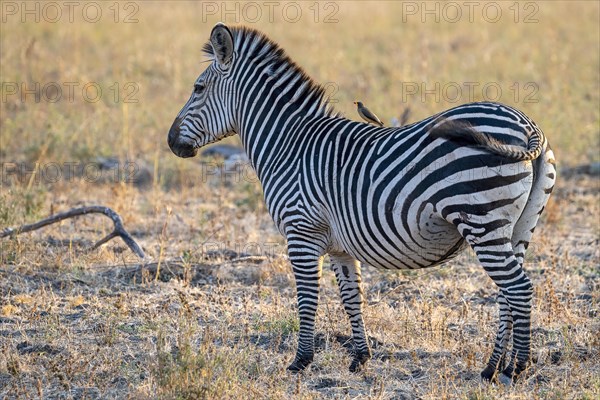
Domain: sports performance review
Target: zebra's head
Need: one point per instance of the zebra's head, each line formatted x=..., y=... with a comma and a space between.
x=208, y=115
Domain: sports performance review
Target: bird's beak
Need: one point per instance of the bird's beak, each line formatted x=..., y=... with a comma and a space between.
x=355, y=102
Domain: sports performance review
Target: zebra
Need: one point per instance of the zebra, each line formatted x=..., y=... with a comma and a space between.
x=410, y=197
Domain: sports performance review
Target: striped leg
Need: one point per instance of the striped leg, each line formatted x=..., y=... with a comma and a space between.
x=495, y=253
x=521, y=237
x=347, y=273
x=519, y=296
x=305, y=256
x=517, y=290
x=497, y=360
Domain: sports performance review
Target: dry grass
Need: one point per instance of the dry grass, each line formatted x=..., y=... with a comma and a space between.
x=99, y=325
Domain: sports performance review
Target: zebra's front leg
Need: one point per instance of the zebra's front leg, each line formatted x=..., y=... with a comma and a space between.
x=498, y=357
x=347, y=273
x=305, y=256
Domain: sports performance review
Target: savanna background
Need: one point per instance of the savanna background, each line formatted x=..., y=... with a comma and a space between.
x=211, y=312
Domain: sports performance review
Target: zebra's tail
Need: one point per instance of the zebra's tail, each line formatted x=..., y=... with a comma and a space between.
x=462, y=132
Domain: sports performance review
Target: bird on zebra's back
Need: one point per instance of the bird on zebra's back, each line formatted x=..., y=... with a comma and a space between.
x=476, y=175
x=366, y=114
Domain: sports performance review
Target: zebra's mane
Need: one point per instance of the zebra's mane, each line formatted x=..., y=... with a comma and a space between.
x=262, y=50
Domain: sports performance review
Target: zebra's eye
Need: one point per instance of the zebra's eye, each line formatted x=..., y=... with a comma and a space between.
x=199, y=87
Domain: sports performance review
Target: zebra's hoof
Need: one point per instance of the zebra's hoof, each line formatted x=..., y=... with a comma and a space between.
x=487, y=375
x=299, y=364
x=356, y=365
x=358, y=361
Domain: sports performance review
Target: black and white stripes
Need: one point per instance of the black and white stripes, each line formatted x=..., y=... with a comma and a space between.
x=410, y=197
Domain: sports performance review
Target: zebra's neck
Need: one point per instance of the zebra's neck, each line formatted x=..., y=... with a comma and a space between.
x=275, y=107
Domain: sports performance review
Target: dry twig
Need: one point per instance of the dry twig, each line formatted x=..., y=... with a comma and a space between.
x=118, y=231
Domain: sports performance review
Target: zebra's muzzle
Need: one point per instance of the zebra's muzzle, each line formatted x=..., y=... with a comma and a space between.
x=178, y=145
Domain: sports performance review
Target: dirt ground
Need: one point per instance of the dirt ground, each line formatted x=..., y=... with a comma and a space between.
x=217, y=318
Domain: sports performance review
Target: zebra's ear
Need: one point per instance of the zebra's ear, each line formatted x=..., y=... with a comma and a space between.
x=221, y=40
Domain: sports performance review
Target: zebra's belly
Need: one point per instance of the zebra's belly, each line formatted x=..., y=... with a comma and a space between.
x=427, y=241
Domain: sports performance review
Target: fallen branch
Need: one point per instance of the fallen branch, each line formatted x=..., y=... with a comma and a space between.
x=118, y=231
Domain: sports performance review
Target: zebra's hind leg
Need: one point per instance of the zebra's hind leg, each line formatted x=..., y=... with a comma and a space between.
x=543, y=184
x=497, y=360
x=517, y=290
x=347, y=273
x=491, y=241
x=519, y=297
